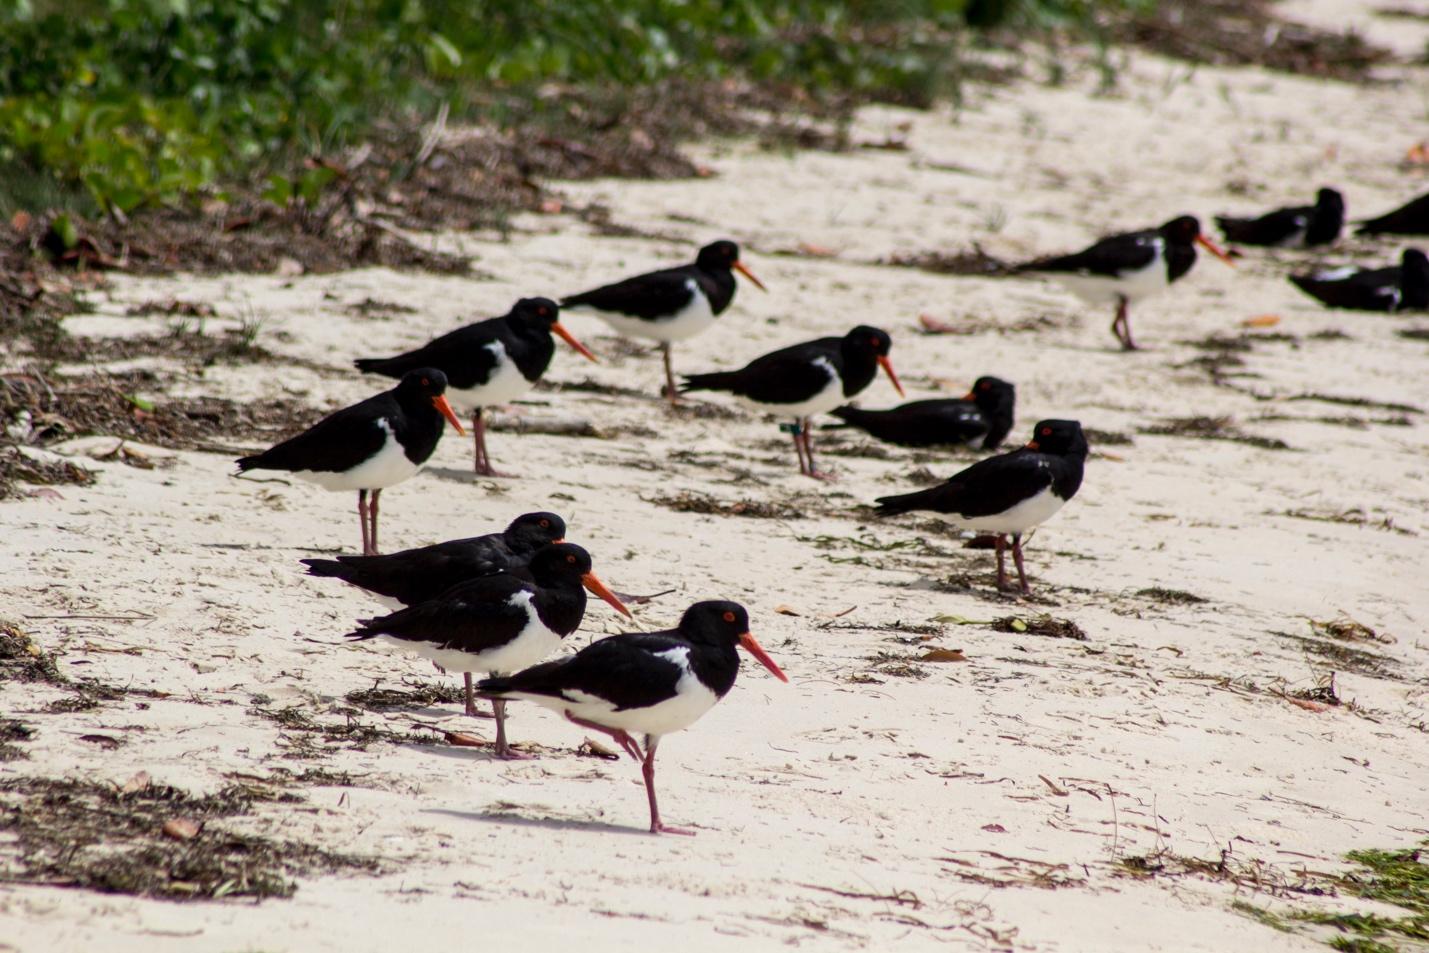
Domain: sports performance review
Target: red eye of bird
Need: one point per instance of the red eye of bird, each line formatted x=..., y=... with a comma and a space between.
x=985, y=386
x=1046, y=431
x=545, y=524
x=729, y=617
x=426, y=383
x=570, y=559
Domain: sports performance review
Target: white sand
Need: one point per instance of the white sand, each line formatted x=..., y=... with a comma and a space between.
x=1147, y=731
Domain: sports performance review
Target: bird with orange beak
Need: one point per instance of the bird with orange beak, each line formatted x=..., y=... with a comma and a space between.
x=807, y=379
x=1130, y=266
x=500, y=623
x=369, y=446
x=670, y=305
x=488, y=363
x=644, y=683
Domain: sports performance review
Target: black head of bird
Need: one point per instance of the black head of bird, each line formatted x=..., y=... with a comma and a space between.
x=720, y=623
x=865, y=341
x=537, y=529
x=545, y=314
x=561, y=564
x=1186, y=230
x=723, y=255
x=1058, y=437
x=428, y=384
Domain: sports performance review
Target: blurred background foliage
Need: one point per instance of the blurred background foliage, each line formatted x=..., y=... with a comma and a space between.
x=115, y=105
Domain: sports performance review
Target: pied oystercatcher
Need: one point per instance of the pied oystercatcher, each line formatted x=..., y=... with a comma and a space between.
x=1124, y=268
x=1411, y=218
x=371, y=445
x=500, y=623
x=1300, y=226
x=807, y=379
x=1010, y=493
x=649, y=683
x=985, y=412
x=487, y=363
x=416, y=575
x=672, y=304
x=1401, y=287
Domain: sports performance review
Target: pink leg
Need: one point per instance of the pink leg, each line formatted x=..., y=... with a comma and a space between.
x=648, y=770
x=372, y=518
x=470, y=698
x=808, y=429
x=672, y=393
x=1017, y=558
x=504, y=750
x=362, y=518
x=483, y=458
x=799, y=449
x=1002, y=562
x=621, y=737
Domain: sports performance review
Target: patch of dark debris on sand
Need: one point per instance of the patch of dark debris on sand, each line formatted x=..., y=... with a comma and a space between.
x=18, y=468
x=1043, y=625
x=12, y=731
x=1172, y=597
x=1109, y=438
x=1211, y=428
x=21, y=660
x=149, y=840
x=114, y=405
x=1344, y=658
x=1351, y=517
x=701, y=503
x=305, y=737
x=417, y=695
x=970, y=261
x=1248, y=33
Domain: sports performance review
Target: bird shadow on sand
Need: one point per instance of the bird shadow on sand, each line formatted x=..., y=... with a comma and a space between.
x=457, y=474
x=547, y=823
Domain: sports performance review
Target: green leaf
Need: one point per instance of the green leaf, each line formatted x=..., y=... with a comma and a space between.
x=142, y=403
x=63, y=227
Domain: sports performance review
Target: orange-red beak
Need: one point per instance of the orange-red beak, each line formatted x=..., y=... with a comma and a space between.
x=752, y=647
x=440, y=402
x=1032, y=445
x=596, y=586
x=570, y=339
x=971, y=395
x=887, y=366
x=1215, y=249
x=739, y=267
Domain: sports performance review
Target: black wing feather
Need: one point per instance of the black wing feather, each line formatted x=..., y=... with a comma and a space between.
x=471, y=617
x=462, y=355
x=1110, y=257
x=338, y=442
x=654, y=295
x=625, y=670
x=988, y=487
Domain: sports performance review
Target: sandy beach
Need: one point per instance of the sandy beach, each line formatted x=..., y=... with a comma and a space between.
x=1045, y=794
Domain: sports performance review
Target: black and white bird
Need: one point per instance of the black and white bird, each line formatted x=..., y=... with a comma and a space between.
x=416, y=575
x=986, y=412
x=498, y=624
x=673, y=304
x=1401, y=287
x=1301, y=226
x=807, y=379
x=649, y=684
x=1124, y=268
x=1010, y=493
x=1411, y=218
x=488, y=363
x=369, y=446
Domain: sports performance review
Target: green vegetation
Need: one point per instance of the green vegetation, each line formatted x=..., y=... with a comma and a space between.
x=123, y=104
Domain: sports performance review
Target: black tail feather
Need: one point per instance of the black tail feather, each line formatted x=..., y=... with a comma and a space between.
x=386, y=366
x=906, y=502
x=716, y=380
x=326, y=567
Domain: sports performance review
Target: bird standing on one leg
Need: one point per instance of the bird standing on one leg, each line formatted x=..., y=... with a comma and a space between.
x=649, y=684
x=670, y=305
x=488, y=363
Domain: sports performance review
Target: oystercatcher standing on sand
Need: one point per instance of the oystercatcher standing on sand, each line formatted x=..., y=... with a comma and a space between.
x=369, y=446
x=650, y=683
x=1401, y=287
x=488, y=363
x=416, y=575
x=1301, y=226
x=985, y=412
x=807, y=379
x=1124, y=268
x=499, y=623
x=1411, y=218
x=669, y=305
x=1010, y=493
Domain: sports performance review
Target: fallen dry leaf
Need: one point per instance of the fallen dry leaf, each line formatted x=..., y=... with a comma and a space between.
x=138, y=782
x=1059, y=791
x=787, y=610
x=181, y=828
x=994, y=828
x=1261, y=321
x=935, y=325
x=590, y=748
x=461, y=739
x=1308, y=705
x=943, y=655
x=816, y=251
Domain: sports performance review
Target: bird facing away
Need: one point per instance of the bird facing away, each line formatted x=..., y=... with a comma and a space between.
x=807, y=379
x=1301, y=226
x=369, y=446
x=500, y=623
x=646, y=683
x=416, y=575
x=985, y=412
x=488, y=363
x=1411, y=218
x=1401, y=287
x=672, y=304
x=1124, y=268
x=1010, y=493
